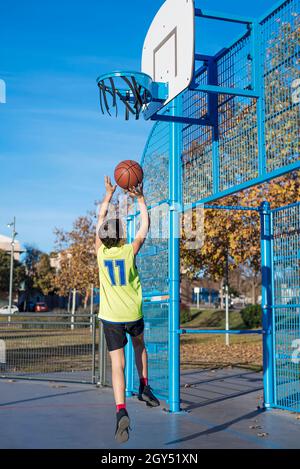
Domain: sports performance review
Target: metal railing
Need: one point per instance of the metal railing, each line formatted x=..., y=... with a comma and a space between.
x=53, y=347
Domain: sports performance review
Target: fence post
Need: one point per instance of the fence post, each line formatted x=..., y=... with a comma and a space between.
x=102, y=356
x=2, y=352
x=73, y=308
x=92, y=306
x=174, y=259
x=93, y=318
x=266, y=303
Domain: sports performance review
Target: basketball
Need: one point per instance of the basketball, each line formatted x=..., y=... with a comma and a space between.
x=128, y=174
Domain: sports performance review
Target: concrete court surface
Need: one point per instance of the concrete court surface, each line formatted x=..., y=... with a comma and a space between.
x=221, y=411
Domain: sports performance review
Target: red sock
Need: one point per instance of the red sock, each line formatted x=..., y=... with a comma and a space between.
x=120, y=406
x=144, y=381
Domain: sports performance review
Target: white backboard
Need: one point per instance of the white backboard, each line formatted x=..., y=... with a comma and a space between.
x=169, y=48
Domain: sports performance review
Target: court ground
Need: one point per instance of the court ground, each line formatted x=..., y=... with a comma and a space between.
x=221, y=411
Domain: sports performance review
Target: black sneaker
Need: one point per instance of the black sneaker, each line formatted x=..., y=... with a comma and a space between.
x=146, y=395
x=122, y=430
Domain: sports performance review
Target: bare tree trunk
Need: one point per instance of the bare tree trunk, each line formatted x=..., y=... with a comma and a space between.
x=239, y=282
x=253, y=291
x=186, y=291
x=69, y=302
x=256, y=283
x=86, y=299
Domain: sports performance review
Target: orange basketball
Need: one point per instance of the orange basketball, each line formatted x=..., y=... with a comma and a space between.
x=128, y=174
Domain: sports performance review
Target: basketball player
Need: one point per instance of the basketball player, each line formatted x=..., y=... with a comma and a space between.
x=121, y=302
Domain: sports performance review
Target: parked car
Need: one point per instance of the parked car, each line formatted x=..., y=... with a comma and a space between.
x=5, y=309
x=30, y=307
x=217, y=303
x=41, y=308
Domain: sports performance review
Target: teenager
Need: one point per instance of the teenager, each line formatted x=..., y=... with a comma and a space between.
x=121, y=302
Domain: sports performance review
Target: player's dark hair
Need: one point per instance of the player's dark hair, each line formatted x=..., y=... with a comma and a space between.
x=111, y=233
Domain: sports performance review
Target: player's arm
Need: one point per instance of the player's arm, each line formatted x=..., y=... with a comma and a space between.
x=145, y=222
x=110, y=189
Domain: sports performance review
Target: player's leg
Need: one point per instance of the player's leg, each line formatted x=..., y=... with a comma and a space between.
x=116, y=340
x=118, y=379
x=141, y=357
x=141, y=360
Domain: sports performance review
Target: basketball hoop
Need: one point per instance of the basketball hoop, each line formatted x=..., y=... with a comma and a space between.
x=167, y=68
x=134, y=90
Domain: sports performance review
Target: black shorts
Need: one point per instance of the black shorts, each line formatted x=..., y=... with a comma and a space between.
x=115, y=332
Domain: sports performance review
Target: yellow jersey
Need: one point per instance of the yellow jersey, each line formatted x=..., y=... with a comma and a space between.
x=120, y=286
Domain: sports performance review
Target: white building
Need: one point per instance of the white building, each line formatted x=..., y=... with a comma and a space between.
x=5, y=245
x=55, y=259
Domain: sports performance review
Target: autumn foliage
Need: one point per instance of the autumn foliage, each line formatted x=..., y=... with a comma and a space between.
x=237, y=232
x=76, y=259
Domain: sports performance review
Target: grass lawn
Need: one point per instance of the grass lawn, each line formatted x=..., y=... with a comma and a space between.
x=210, y=350
x=55, y=347
x=34, y=346
x=213, y=319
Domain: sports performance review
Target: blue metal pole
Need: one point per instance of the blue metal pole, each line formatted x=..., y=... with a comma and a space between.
x=219, y=331
x=214, y=118
x=224, y=90
x=259, y=88
x=222, y=16
x=266, y=273
x=129, y=355
x=174, y=258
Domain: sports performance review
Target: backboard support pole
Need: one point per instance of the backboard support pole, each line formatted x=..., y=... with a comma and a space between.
x=129, y=354
x=212, y=15
x=174, y=259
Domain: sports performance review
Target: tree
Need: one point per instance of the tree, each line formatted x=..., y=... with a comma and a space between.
x=32, y=257
x=237, y=232
x=44, y=273
x=19, y=272
x=75, y=251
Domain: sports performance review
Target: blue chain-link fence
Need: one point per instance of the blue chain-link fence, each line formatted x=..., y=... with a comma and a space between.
x=242, y=139
x=248, y=140
x=152, y=261
x=286, y=306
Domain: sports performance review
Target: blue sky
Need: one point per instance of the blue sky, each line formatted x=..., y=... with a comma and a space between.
x=55, y=146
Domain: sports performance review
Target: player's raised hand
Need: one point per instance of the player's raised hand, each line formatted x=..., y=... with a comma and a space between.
x=110, y=189
x=136, y=191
